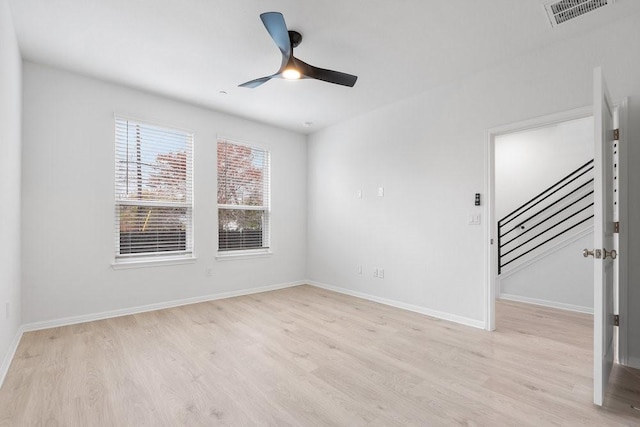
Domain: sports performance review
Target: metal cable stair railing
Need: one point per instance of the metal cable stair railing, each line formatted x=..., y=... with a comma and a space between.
x=541, y=221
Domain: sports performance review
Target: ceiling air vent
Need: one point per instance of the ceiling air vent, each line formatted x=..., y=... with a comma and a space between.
x=565, y=10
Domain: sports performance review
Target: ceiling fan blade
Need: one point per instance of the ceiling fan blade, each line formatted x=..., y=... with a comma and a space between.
x=277, y=29
x=255, y=83
x=330, y=76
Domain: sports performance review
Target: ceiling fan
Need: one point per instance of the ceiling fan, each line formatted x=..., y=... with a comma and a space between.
x=292, y=68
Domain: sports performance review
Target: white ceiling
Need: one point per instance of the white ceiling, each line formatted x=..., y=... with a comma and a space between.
x=193, y=49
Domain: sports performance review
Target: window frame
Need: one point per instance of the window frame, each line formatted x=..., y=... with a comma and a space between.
x=144, y=259
x=243, y=253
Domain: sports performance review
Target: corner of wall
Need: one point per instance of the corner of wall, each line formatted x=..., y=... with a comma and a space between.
x=10, y=188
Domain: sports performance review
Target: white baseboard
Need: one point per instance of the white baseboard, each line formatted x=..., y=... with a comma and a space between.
x=633, y=362
x=11, y=352
x=545, y=303
x=35, y=326
x=398, y=304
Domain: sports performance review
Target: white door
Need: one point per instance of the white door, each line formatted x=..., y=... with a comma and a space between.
x=603, y=347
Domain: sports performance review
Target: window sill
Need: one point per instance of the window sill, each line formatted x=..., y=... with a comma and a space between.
x=247, y=254
x=122, y=264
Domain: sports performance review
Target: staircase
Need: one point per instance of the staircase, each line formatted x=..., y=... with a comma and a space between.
x=557, y=213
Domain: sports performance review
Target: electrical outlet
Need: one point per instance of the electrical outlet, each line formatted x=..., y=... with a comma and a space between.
x=381, y=273
x=359, y=194
x=209, y=271
x=380, y=191
x=375, y=272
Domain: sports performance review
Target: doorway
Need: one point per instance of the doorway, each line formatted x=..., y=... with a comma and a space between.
x=544, y=181
x=521, y=138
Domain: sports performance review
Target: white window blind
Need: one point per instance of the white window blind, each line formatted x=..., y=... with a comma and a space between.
x=154, y=190
x=243, y=197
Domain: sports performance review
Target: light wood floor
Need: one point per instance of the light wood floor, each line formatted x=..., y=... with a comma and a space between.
x=306, y=356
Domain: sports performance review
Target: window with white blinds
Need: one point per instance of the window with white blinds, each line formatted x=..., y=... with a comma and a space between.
x=154, y=191
x=243, y=197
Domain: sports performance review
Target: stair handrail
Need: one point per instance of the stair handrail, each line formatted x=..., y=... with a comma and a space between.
x=542, y=193
x=537, y=200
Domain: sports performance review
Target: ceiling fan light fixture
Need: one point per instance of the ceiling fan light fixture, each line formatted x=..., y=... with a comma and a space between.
x=291, y=73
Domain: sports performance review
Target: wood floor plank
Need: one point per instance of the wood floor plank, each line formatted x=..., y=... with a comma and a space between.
x=307, y=356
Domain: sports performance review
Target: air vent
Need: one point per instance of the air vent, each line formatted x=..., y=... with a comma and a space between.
x=565, y=10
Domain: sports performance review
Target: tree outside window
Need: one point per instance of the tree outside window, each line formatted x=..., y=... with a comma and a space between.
x=243, y=197
x=153, y=189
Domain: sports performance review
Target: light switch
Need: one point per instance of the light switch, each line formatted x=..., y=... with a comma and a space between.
x=475, y=219
x=359, y=194
x=380, y=191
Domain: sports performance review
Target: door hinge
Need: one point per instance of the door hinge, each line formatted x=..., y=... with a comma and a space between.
x=616, y=227
x=616, y=134
x=616, y=320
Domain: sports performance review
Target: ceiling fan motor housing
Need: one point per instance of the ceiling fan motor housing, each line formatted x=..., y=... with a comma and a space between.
x=295, y=37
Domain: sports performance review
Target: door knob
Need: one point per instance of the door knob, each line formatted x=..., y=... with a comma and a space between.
x=612, y=254
x=596, y=253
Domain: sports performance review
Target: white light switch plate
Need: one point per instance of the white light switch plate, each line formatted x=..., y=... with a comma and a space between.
x=475, y=219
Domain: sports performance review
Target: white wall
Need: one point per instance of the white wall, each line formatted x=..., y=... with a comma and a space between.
x=10, y=146
x=428, y=152
x=560, y=278
x=68, y=200
x=529, y=162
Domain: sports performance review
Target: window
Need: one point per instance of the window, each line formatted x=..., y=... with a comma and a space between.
x=243, y=197
x=154, y=201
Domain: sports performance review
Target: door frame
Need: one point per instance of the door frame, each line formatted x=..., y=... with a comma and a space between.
x=491, y=250
x=622, y=113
